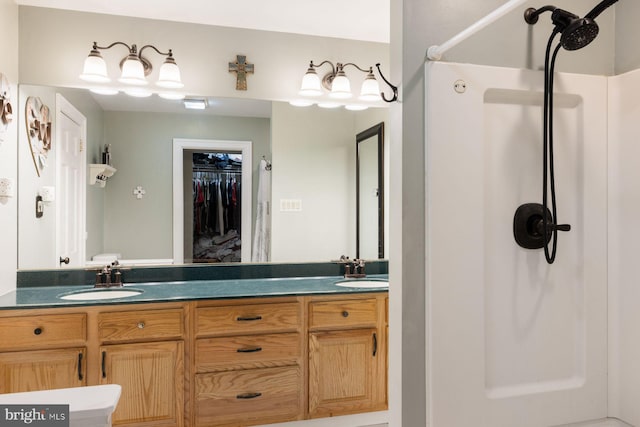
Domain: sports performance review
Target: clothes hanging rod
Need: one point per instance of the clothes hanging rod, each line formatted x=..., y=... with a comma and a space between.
x=434, y=53
x=215, y=170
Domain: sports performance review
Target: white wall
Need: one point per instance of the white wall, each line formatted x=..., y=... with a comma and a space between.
x=624, y=246
x=37, y=248
x=314, y=161
x=8, y=146
x=202, y=52
x=627, y=34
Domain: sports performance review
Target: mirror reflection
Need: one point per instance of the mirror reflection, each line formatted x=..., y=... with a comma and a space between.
x=312, y=200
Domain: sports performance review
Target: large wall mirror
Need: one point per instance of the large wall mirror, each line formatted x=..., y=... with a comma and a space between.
x=311, y=150
x=370, y=218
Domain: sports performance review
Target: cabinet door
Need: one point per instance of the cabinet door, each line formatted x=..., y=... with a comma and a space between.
x=152, y=380
x=42, y=370
x=344, y=372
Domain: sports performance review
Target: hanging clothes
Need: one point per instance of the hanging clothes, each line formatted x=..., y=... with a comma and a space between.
x=262, y=238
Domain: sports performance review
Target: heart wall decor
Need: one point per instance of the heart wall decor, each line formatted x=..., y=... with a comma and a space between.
x=38, y=123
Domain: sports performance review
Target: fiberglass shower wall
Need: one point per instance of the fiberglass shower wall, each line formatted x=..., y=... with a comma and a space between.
x=512, y=340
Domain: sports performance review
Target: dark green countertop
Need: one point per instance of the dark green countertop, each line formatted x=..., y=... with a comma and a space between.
x=49, y=296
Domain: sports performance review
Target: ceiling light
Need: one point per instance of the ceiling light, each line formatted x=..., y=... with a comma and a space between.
x=338, y=85
x=135, y=67
x=195, y=104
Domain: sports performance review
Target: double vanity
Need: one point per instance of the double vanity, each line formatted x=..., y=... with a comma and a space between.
x=211, y=352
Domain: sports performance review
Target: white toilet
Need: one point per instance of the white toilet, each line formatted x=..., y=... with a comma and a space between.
x=90, y=406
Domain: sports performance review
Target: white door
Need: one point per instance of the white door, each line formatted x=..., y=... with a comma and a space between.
x=71, y=184
x=513, y=341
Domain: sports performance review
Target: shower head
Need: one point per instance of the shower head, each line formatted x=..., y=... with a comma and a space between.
x=576, y=32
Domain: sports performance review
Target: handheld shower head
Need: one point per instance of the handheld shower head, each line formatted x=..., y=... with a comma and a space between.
x=576, y=32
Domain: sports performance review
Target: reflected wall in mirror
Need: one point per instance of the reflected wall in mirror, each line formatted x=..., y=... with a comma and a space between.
x=311, y=150
x=370, y=192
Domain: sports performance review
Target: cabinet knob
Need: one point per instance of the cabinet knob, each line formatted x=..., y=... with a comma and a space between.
x=37, y=331
x=140, y=325
x=345, y=313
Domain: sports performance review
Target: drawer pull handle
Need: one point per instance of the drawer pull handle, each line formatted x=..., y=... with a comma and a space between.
x=104, y=364
x=140, y=325
x=248, y=318
x=79, y=366
x=345, y=313
x=248, y=395
x=375, y=344
x=249, y=350
x=37, y=331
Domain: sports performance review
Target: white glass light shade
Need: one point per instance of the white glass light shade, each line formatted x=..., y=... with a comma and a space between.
x=95, y=69
x=329, y=105
x=311, y=85
x=340, y=86
x=370, y=90
x=132, y=72
x=169, y=76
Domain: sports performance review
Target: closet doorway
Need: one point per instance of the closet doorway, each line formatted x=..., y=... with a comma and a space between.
x=212, y=201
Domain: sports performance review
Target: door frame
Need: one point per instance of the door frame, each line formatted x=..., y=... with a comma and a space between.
x=182, y=144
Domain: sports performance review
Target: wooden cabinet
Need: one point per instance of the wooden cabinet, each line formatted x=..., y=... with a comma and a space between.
x=236, y=362
x=42, y=370
x=152, y=379
x=248, y=363
x=42, y=352
x=347, y=356
x=143, y=351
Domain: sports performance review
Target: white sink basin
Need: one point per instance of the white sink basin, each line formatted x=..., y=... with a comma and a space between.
x=363, y=283
x=100, y=294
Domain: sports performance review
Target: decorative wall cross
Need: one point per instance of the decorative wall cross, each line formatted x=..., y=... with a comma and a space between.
x=241, y=68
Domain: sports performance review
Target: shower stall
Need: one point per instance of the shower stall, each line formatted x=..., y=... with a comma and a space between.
x=514, y=341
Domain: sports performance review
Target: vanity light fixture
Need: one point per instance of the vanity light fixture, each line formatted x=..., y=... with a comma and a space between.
x=339, y=86
x=134, y=67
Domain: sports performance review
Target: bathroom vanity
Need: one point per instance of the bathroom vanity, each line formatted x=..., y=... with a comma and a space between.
x=192, y=360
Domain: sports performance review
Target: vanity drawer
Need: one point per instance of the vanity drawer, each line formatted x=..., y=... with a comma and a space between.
x=246, y=397
x=252, y=351
x=56, y=330
x=245, y=319
x=141, y=325
x=343, y=313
